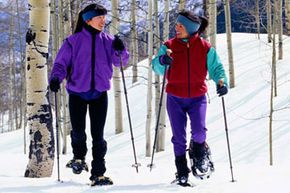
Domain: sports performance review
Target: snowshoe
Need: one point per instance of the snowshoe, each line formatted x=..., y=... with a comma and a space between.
x=182, y=181
x=77, y=166
x=100, y=181
x=200, y=160
x=181, y=177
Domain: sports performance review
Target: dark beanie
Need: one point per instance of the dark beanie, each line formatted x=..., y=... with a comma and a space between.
x=190, y=21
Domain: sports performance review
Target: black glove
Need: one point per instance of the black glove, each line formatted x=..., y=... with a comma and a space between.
x=54, y=84
x=222, y=90
x=165, y=60
x=118, y=44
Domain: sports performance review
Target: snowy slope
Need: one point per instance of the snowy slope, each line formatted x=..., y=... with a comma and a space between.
x=247, y=107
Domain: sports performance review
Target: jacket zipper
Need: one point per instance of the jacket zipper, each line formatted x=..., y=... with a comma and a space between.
x=188, y=63
x=93, y=61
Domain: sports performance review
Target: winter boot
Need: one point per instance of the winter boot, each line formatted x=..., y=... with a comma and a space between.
x=182, y=171
x=200, y=159
x=77, y=166
x=100, y=180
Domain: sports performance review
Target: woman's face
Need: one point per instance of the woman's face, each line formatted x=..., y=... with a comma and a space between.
x=98, y=22
x=181, y=31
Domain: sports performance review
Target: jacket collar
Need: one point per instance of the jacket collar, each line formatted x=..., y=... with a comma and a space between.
x=191, y=39
x=89, y=29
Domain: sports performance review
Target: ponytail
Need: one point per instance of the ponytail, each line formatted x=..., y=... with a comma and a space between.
x=80, y=23
x=203, y=24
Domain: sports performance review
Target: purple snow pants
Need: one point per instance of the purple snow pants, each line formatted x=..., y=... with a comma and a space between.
x=178, y=109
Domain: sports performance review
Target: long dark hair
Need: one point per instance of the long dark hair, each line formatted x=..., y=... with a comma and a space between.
x=196, y=18
x=96, y=7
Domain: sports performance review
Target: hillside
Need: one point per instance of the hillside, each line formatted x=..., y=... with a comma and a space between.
x=247, y=107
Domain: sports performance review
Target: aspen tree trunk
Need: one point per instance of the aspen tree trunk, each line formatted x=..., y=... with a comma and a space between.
x=57, y=35
x=55, y=44
x=275, y=30
x=41, y=149
x=271, y=107
x=158, y=39
x=23, y=83
x=157, y=92
x=181, y=5
x=22, y=94
x=134, y=43
x=66, y=122
x=258, y=18
x=162, y=125
x=149, y=84
x=166, y=21
x=67, y=18
x=67, y=31
x=73, y=16
x=131, y=49
x=156, y=43
x=60, y=22
x=145, y=43
x=280, y=29
x=11, y=74
x=63, y=94
x=75, y=7
x=272, y=91
x=54, y=39
x=269, y=20
x=14, y=92
x=116, y=76
x=14, y=106
x=156, y=77
x=287, y=5
x=229, y=43
x=212, y=22
x=15, y=88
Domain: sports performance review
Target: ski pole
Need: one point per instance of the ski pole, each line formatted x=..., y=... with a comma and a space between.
x=227, y=136
x=158, y=118
x=57, y=136
x=136, y=165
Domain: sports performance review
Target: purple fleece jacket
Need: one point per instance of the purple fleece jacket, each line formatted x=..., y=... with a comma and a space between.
x=75, y=62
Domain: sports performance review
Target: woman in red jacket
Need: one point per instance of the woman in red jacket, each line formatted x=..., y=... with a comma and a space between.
x=189, y=58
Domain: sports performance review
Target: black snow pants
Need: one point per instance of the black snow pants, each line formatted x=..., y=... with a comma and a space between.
x=97, y=113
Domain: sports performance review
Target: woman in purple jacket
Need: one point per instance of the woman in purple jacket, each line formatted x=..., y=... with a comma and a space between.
x=85, y=60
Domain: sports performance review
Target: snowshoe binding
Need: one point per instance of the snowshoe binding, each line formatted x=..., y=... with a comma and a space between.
x=100, y=181
x=181, y=177
x=77, y=166
x=182, y=181
x=200, y=160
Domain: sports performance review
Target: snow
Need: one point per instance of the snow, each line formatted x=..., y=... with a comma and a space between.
x=247, y=107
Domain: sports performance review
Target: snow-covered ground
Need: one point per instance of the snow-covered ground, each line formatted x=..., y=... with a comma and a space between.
x=247, y=107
